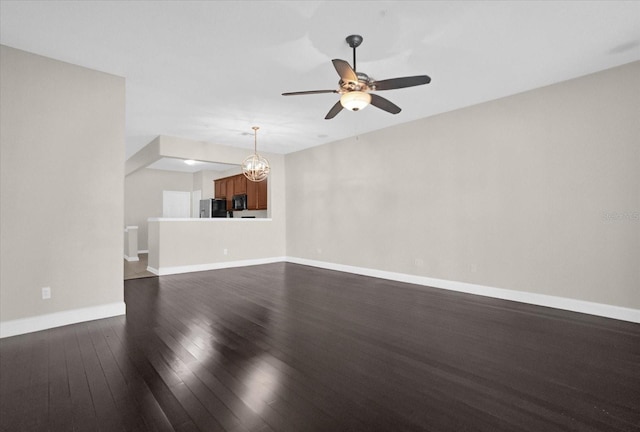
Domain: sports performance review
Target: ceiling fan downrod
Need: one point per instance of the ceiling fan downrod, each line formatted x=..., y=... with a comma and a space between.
x=354, y=42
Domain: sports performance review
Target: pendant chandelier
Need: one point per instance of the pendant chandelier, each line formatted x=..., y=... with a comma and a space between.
x=255, y=167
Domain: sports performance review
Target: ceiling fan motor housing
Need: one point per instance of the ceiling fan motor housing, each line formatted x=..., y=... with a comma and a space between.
x=361, y=85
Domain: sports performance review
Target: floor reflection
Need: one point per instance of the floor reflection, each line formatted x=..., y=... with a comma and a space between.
x=217, y=343
x=261, y=383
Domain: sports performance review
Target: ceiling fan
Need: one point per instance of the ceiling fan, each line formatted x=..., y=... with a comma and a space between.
x=355, y=87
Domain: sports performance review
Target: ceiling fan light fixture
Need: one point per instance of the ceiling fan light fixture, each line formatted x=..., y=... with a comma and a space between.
x=352, y=84
x=255, y=167
x=355, y=100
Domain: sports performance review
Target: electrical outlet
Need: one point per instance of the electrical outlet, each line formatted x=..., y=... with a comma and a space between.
x=225, y=251
x=319, y=250
x=419, y=262
x=46, y=293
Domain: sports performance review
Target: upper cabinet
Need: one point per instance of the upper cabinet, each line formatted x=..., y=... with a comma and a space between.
x=257, y=195
x=239, y=184
x=220, y=188
x=227, y=187
x=230, y=193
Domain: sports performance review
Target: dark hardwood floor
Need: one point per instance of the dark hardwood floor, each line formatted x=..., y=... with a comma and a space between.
x=284, y=347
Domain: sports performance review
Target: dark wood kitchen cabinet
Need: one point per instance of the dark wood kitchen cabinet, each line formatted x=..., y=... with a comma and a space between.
x=239, y=184
x=220, y=188
x=257, y=195
x=230, y=193
x=223, y=189
x=227, y=187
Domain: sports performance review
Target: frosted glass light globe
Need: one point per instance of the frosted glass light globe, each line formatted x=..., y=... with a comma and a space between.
x=355, y=100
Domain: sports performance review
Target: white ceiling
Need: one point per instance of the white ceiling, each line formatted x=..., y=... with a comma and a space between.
x=209, y=70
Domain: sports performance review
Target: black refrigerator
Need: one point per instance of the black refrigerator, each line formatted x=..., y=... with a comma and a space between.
x=213, y=208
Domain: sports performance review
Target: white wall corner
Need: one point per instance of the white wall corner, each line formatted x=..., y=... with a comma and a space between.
x=153, y=270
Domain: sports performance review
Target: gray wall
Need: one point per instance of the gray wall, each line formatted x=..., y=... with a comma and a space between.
x=62, y=173
x=143, y=196
x=203, y=181
x=537, y=192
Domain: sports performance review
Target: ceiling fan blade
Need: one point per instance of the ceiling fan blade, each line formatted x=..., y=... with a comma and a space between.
x=334, y=111
x=396, y=83
x=309, y=92
x=384, y=104
x=345, y=70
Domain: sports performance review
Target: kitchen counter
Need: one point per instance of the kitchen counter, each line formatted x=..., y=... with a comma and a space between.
x=181, y=245
x=208, y=219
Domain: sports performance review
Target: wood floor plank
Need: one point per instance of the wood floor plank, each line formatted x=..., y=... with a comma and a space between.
x=154, y=381
x=83, y=412
x=284, y=347
x=147, y=407
x=60, y=407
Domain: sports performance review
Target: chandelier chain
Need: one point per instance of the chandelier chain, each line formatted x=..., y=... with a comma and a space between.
x=255, y=138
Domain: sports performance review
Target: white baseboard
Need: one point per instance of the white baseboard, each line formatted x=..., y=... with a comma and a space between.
x=131, y=259
x=163, y=271
x=43, y=322
x=58, y=319
x=591, y=308
x=153, y=270
x=574, y=305
x=143, y=251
